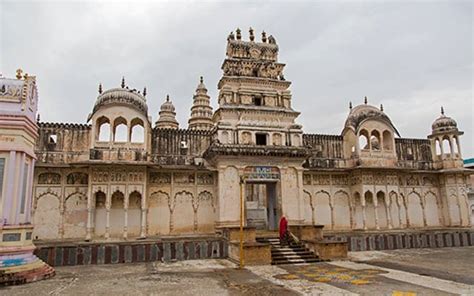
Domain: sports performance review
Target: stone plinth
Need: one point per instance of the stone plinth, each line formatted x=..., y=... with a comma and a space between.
x=307, y=232
x=254, y=253
x=328, y=250
x=233, y=234
x=18, y=264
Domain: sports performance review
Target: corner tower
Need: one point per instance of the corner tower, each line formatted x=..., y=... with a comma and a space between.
x=254, y=99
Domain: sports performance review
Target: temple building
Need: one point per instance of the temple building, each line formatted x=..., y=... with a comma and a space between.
x=119, y=176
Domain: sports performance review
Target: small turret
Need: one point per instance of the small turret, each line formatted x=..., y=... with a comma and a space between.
x=445, y=143
x=167, y=115
x=201, y=111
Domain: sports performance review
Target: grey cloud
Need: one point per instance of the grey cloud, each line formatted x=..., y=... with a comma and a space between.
x=411, y=57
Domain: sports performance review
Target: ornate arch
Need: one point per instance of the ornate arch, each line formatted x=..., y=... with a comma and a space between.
x=202, y=196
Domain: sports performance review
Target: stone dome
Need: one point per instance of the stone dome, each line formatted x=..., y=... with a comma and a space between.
x=167, y=115
x=444, y=124
x=364, y=112
x=121, y=96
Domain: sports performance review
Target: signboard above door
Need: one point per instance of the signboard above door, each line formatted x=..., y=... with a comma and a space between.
x=261, y=173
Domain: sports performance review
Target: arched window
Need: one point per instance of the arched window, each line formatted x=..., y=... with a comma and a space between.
x=446, y=146
x=375, y=140
x=103, y=129
x=363, y=139
x=387, y=140
x=137, y=132
x=120, y=130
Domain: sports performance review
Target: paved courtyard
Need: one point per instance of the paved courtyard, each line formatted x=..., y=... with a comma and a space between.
x=446, y=271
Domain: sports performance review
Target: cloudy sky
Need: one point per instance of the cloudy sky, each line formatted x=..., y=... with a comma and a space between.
x=412, y=57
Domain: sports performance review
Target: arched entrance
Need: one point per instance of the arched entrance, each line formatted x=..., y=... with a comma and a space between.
x=262, y=209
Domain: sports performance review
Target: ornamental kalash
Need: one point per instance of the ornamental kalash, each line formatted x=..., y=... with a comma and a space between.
x=119, y=177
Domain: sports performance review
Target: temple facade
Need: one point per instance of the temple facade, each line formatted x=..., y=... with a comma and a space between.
x=119, y=176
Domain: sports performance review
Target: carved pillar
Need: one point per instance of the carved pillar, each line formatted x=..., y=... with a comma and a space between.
x=89, y=217
x=406, y=212
x=364, y=216
x=125, y=223
x=456, y=138
x=61, y=217
x=387, y=212
x=376, y=212
x=451, y=147
x=144, y=218
x=440, y=140
x=125, y=218
x=108, y=203
x=143, y=228
x=422, y=201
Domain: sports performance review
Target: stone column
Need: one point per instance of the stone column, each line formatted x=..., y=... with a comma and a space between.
x=376, y=212
x=125, y=213
x=107, y=216
x=422, y=201
x=441, y=148
x=458, y=145
x=143, y=233
x=451, y=147
x=364, y=218
x=388, y=213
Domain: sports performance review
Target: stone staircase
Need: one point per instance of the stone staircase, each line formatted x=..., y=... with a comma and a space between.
x=293, y=253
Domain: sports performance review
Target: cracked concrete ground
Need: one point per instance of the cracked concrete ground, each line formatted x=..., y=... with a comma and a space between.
x=446, y=271
x=196, y=277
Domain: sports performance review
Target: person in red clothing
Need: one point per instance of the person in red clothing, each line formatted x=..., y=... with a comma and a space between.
x=283, y=230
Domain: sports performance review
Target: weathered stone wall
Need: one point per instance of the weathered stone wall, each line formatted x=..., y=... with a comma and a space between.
x=60, y=143
x=120, y=203
x=384, y=200
x=405, y=240
x=129, y=252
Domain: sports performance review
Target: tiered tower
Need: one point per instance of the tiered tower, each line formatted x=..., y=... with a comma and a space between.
x=167, y=115
x=201, y=111
x=254, y=99
x=18, y=134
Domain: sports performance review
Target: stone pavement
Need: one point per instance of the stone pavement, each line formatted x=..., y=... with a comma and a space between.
x=446, y=271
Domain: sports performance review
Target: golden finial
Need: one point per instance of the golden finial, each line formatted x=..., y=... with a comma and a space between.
x=201, y=79
x=18, y=73
x=350, y=105
x=123, y=82
x=365, y=100
x=100, y=88
x=167, y=98
x=442, y=110
x=381, y=107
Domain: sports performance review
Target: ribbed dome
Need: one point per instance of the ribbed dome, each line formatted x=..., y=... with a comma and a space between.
x=444, y=124
x=167, y=106
x=121, y=96
x=167, y=115
x=364, y=112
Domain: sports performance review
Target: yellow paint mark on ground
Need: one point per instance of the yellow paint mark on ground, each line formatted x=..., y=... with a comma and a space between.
x=403, y=293
x=359, y=282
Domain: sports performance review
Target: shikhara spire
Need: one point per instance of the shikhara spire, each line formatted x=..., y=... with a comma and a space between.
x=201, y=111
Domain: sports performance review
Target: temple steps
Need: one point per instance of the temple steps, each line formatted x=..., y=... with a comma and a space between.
x=293, y=253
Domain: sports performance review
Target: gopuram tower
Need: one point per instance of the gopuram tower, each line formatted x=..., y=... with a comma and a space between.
x=258, y=141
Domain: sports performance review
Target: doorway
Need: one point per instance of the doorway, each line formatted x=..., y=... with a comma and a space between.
x=261, y=207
